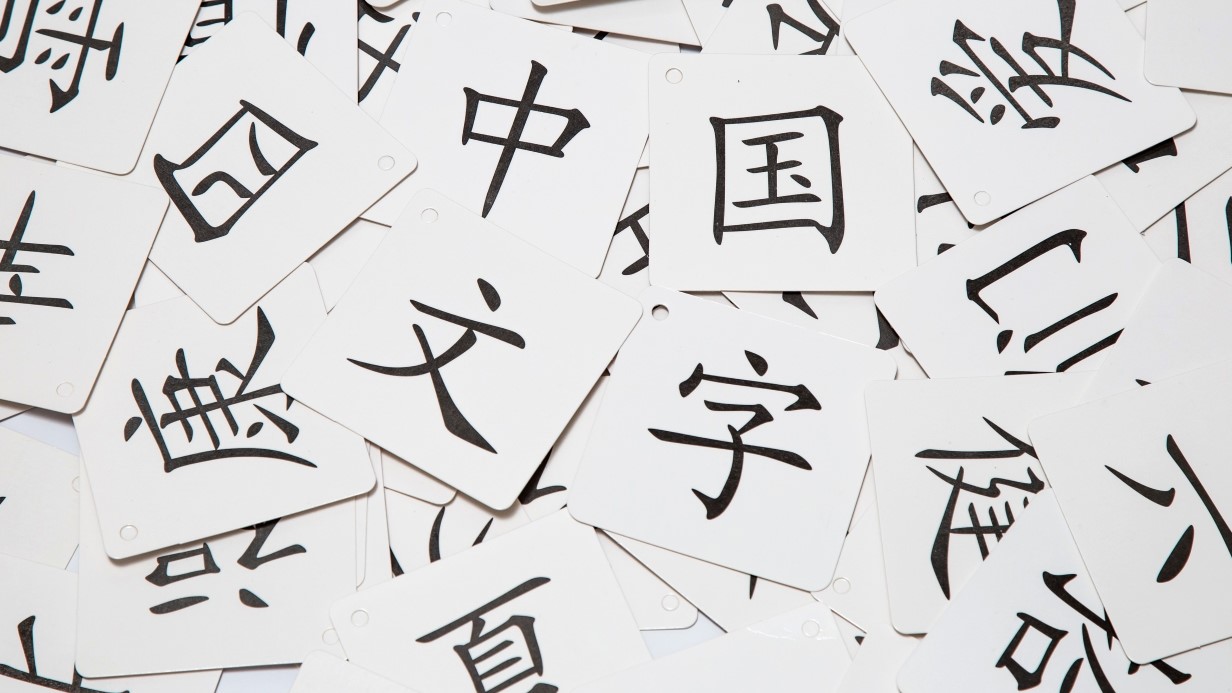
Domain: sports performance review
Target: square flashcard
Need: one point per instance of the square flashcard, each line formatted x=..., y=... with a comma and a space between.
x=789, y=27
x=537, y=608
x=1047, y=289
x=1030, y=619
x=731, y=438
x=190, y=433
x=953, y=467
x=252, y=597
x=38, y=500
x=1144, y=482
x=80, y=80
x=798, y=650
x=73, y=246
x=264, y=161
x=325, y=673
x=38, y=618
x=776, y=173
x=323, y=31
x=537, y=130
x=451, y=328
x=1199, y=230
x=1181, y=324
x=1011, y=101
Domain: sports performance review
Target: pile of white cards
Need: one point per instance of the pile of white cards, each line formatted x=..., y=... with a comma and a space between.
x=344, y=346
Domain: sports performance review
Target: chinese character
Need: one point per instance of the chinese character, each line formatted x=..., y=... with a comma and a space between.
x=251, y=559
x=1179, y=556
x=759, y=415
x=8, y=263
x=964, y=38
x=823, y=36
x=434, y=537
x=214, y=14
x=205, y=397
x=814, y=134
x=526, y=107
x=633, y=223
x=1032, y=678
x=384, y=57
x=517, y=632
x=940, y=554
x=1165, y=148
x=533, y=491
x=25, y=634
x=273, y=148
x=454, y=421
x=62, y=24
x=1072, y=239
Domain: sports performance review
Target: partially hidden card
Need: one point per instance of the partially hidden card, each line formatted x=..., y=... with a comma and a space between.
x=38, y=500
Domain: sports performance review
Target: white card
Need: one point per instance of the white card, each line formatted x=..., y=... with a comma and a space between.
x=954, y=468
x=408, y=480
x=59, y=104
x=383, y=35
x=153, y=286
x=252, y=597
x=422, y=533
x=1030, y=619
x=38, y=500
x=851, y=316
x=38, y=637
x=1065, y=79
x=731, y=599
x=1048, y=289
x=1149, y=184
x=858, y=591
x=376, y=557
x=793, y=27
x=1142, y=479
x=939, y=225
x=661, y=20
x=1183, y=46
x=661, y=468
x=653, y=603
x=1199, y=230
x=557, y=177
x=627, y=265
x=545, y=592
x=776, y=173
x=339, y=261
x=324, y=673
x=548, y=488
x=799, y=650
x=320, y=30
x=1181, y=324
x=874, y=668
x=74, y=244
x=189, y=433
x=264, y=162
x=445, y=281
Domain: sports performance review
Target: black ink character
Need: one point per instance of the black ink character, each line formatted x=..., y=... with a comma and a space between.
x=280, y=23
x=533, y=491
x=633, y=223
x=273, y=148
x=434, y=537
x=1033, y=677
x=1071, y=239
x=823, y=36
x=968, y=40
x=204, y=564
x=1165, y=148
x=383, y=57
x=211, y=16
x=206, y=396
x=808, y=128
x=453, y=419
x=8, y=263
x=70, y=32
x=1179, y=556
x=25, y=634
x=759, y=415
x=887, y=338
x=928, y=201
x=996, y=527
x=522, y=662
x=574, y=123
